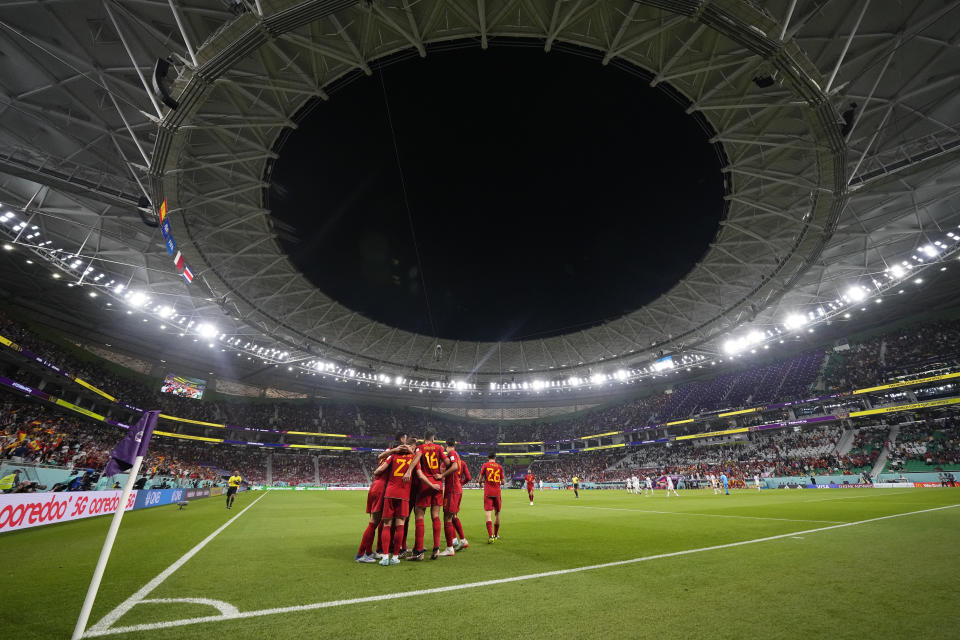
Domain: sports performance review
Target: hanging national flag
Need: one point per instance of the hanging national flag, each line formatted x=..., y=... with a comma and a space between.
x=163, y=210
x=165, y=229
x=187, y=275
x=179, y=261
x=133, y=444
x=171, y=245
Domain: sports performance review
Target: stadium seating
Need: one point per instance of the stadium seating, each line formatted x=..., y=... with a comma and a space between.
x=53, y=438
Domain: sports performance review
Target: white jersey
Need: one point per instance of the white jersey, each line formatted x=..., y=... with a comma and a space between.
x=649, y=482
x=636, y=482
x=669, y=483
x=756, y=479
x=713, y=480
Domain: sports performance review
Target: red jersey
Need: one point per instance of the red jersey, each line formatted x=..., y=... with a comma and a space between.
x=464, y=472
x=529, y=478
x=380, y=482
x=492, y=474
x=399, y=463
x=452, y=482
x=431, y=459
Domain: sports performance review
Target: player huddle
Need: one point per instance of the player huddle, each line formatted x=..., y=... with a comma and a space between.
x=427, y=476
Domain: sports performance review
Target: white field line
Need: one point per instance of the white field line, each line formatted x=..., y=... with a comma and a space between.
x=145, y=590
x=472, y=585
x=712, y=515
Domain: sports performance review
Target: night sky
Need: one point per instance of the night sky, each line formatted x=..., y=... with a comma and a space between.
x=548, y=193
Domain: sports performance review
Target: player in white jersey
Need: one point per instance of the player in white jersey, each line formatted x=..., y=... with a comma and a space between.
x=714, y=483
x=670, y=487
x=649, y=486
x=756, y=481
x=541, y=485
x=629, y=483
x=636, y=485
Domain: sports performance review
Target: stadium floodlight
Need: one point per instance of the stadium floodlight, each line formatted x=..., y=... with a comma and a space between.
x=754, y=337
x=598, y=378
x=795, y=321
x=856, y=293
x=8, y=247
x=93, y=294
x=137, y=299
x=165, y=312
x=896, y=271
x=573, y=381
x=460, y=385
x=207, y=330
x=930, y=250
x=622, y=374
x=731, y=346
x=918, y=281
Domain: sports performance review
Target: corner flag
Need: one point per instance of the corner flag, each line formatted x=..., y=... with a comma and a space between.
x=133, y=444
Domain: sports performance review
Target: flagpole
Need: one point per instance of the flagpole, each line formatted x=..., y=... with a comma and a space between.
x=105, y=552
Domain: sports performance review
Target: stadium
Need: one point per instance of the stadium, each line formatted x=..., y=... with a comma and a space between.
x=565, y=319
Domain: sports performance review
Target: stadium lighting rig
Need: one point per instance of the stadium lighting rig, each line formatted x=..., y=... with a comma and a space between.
x=81, y=272
x=930, y=254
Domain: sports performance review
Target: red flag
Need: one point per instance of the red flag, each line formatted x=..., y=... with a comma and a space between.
x=179, y=261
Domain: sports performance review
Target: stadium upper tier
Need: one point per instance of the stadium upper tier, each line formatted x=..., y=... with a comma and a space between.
x=834, y=132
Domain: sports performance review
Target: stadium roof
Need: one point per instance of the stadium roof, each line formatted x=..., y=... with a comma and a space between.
x=820, y=199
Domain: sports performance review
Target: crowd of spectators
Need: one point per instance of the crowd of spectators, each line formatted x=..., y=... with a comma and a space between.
x=935, y=443
x=927, y=346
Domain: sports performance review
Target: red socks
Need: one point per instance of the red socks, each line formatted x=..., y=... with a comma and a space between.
x=450, y=533
x=418, y=539
x=380, y=538
x=386, y=539
x=459, y=527
x=496, y=529
x=396, y=543
x=367, y=540
x=436, y=533
x=489, y=528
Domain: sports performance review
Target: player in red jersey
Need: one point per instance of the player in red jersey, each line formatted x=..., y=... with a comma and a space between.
x=431, y=460
x=529, y=480
x=452, y=493
x=375, y=504
x=396, y=502
x=491, y=474
x=465, y=477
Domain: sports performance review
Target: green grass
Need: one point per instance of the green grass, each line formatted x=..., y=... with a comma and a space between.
x=898, y=575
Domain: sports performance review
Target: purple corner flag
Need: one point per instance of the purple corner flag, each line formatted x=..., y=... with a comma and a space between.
x=133, y=444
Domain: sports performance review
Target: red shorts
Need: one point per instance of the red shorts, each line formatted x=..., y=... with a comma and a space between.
x=451, y=502
x=427, y=497
x=529, y=488
x=491, y=503
x=375, y=499
x=395, y=508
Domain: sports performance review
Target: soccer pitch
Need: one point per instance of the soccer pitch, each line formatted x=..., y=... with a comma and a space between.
x=777, y=564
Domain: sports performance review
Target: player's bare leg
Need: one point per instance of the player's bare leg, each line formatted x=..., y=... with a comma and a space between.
x=489, y=515
x=496, y=525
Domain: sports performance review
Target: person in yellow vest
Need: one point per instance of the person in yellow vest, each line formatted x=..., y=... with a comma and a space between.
x=576, y=487
x=233, y=484
x=8, y=482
